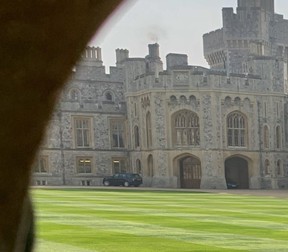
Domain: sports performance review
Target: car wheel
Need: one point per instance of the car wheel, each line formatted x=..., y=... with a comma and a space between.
x=106, y=183
x=126, y=184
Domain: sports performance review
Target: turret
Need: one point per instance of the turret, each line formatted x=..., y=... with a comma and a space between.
x=92, y=56
x=121, y=55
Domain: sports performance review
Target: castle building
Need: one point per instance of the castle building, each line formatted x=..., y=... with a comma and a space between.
x=183, y=127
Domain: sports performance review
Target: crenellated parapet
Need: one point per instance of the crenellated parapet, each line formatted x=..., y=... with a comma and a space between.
x=254, y=30
x=197, y=79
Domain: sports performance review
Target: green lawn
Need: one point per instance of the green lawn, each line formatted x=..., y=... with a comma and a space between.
x=83, y=220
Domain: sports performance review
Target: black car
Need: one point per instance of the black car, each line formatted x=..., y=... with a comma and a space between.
x=123, y=179
x=232, y=185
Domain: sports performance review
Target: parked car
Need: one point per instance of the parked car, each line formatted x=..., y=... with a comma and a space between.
x=123, y=179
x=232, y=185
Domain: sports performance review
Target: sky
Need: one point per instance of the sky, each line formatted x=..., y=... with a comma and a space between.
x=176, y=25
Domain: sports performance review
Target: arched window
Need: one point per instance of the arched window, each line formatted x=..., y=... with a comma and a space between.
x=278, y=137
x=75, y=95
x=183, y=98
x=150, y=172
x=192, y=99
x=173, y=98
x=138, y=166
x=228, y=100
x=136, y=136
x=266, y=137
x=186, y=128
x=267, y=167
x=279, y=168
x=237, y=100
x=148, y=130
x=236, y=129
x=108, y=96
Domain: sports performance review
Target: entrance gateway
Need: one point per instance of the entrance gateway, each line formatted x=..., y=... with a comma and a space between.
x=236, y=171
x=190, y=172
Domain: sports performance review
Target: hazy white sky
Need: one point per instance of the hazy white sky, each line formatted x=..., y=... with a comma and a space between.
x=176, y=25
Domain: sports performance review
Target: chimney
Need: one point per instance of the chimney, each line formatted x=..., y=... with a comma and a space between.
x=153, y=50
x=176, y=59
x=92, y=56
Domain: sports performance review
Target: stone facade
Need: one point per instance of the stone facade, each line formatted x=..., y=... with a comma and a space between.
x=186, y=126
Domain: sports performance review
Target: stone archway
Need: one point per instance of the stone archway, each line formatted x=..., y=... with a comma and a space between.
x=237, y=171
x=190, y=172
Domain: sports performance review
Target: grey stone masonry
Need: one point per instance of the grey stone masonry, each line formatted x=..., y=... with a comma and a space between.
x=184, y=126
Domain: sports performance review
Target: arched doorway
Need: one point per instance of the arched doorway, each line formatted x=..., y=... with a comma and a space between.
x=236, y=171
x=190, y=172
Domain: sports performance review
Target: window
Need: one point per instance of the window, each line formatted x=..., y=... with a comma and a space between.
x=75, y=95
x=150, y=166
x=228, y=101
x=148, y=130
x=265, y=109
x=267, y=167
x=186, y=128
x=279, y=168
x=277, y=109
x=236, y=129
x=278, y=137
x=192, y=99
x=82, y=127
x=119, y=165
x=83, y=165
x=85, y=182
x=41, y=165
x=173, y=98
x=117, y=133
x=183, y=98
x=266, y=137
x=108, y=96
x=136, y=136
x=135, y=109
x=138, y=166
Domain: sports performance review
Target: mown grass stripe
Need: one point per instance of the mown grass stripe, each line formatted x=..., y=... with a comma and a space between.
x=210, y=222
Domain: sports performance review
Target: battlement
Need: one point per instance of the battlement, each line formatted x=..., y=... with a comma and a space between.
x=121, y=55
x=213, y=41
x=198, y=78
x=267, y=5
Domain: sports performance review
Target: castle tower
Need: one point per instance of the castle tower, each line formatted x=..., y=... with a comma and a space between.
x=244, y=33
x=121, y=55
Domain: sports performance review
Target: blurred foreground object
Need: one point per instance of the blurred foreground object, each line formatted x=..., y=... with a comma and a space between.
x=40, y=41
